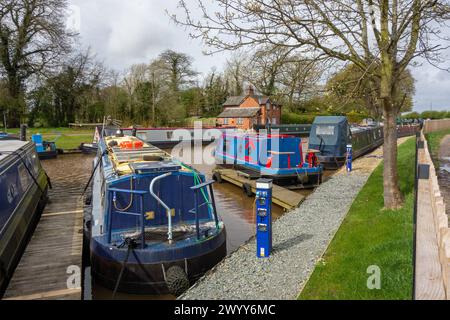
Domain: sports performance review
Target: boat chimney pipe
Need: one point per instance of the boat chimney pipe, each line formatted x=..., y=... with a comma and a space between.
x=23, y=132
x=169, y=213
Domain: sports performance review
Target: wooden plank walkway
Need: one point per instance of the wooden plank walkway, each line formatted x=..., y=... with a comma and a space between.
x=432, y=238
x=283, y=197
x=56, y=245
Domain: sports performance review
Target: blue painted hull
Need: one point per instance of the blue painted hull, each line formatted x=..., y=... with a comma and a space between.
x=145, y=269
x=124, y=210
x=278, y=157
x=21, y=202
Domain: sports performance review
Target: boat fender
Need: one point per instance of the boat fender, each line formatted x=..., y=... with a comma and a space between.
x=177, y=280
x=247, y=189
x=217, y=177
x=88, y=199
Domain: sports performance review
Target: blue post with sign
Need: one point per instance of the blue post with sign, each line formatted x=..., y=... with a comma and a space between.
x=263, y=218
x=349, y=158
x=37, y=139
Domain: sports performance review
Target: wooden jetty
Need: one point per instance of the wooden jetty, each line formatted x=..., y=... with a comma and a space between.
x=51, y=266
x=282, y=197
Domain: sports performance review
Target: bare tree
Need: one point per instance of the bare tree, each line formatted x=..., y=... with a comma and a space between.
x=178, y=67
x=234, y=74
x=380, y=37
x=32, y=38
x=265, y=68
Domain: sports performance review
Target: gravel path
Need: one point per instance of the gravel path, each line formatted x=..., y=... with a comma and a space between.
x=299, y=240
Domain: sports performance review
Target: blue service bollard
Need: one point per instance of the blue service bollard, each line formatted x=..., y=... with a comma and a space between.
x=37, y=139
x=263, y=218
x=349, y=158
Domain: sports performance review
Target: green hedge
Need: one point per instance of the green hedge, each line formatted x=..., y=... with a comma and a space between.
x=308, y=118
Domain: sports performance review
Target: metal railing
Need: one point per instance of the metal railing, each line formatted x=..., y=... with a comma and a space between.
x=141, y=212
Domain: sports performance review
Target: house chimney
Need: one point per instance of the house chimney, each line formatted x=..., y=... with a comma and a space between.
x=250, y=90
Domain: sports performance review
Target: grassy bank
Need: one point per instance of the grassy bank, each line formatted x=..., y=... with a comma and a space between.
x=371, y=236
x=66, y=138
x=434, y=142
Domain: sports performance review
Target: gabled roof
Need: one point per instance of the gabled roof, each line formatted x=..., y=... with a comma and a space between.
x=235, y=101
x=239, y=113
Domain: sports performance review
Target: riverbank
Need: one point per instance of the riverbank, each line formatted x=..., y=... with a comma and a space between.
x=371, y=236
x=66, y=138
x=299, y=240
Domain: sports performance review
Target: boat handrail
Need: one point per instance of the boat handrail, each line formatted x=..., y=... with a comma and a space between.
x=197, y=189
x=169, y=213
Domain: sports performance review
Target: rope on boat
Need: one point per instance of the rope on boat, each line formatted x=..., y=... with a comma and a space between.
x=131, y=245
x=197, y=181
x=131, y=199
x=93, y=172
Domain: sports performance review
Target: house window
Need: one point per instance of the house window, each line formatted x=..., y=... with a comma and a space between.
x=240, y=121
x=225, y=121
x=268, y=106
x=274, y=120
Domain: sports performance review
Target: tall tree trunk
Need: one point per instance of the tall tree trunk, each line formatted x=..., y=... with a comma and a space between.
x=392, y=195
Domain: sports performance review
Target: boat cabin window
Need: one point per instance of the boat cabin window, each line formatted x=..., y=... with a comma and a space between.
x=325, y=130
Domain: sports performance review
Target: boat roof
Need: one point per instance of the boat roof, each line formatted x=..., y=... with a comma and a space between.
x=330, y=119
x=7, y=146
x=126, y=160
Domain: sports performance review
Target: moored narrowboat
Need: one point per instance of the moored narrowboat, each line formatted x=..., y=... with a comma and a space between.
x=45, y=149
x=278, y=157
x=154, y=227
x=331, y=135
x=23, y=195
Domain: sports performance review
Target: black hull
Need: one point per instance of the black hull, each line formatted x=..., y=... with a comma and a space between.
x=48, y=155
x=149, y=278
x=331, y=163
x=312, y=180
x=19, y=233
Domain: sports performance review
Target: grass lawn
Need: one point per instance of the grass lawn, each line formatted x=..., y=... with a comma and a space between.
x=371, y=236
x=66, y=138
x=434, y=142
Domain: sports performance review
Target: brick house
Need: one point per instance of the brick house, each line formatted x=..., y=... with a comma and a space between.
x=248, y=110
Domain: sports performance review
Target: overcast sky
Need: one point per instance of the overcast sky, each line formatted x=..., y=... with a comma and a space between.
x=125, y=32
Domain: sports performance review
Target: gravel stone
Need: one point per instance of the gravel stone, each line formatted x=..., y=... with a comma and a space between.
x=300, y=238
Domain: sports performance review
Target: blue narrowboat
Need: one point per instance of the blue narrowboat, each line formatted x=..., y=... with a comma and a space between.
x=153, y=225
x=23, y=195
x=278, y=157
x=331, y=135
x=45, y=149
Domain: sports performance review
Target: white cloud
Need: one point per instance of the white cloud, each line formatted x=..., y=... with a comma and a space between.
x=124, y=32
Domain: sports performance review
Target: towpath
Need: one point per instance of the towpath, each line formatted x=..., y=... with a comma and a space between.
x=300, y=238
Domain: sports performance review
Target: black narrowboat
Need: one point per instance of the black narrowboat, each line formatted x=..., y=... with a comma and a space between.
x=23, y=195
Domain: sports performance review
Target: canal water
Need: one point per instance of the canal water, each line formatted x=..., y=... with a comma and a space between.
x=70, y=173
x=444, y=172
